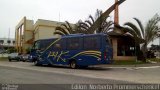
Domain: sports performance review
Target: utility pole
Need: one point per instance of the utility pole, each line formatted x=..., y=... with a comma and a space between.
x=8, y=41
x=159, y=42
x=9, y=34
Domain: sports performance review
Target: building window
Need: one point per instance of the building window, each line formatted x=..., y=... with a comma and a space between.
x=126, y=47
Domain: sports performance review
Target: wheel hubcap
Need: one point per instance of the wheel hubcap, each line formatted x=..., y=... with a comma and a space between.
x=73, y=65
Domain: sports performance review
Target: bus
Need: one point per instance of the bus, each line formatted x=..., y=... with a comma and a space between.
x=75, y=50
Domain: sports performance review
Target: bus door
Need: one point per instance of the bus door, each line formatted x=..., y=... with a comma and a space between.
x=34, y=51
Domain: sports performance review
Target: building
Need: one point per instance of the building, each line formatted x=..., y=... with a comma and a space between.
x=26, y=32
x=122, y=43
x=6, y=43
x=44, y=29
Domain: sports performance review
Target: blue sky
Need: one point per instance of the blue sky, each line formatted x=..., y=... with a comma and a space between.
x=12, y=11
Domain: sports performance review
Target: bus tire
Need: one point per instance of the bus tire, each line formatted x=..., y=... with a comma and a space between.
x=36, y=63
x=10, y=60
x=73, y=64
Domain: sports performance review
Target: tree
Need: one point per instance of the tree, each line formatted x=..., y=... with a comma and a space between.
x=105, y=25
x=142, y=33
x=103, y=17
x=155, y=47
x=65, y=29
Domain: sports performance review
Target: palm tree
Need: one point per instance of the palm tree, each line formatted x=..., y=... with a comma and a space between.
x=105, y=25
x=65, y=29
x=103, y=17
x=146, y=33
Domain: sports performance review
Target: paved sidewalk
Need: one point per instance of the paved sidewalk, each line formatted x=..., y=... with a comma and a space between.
x=136, y=66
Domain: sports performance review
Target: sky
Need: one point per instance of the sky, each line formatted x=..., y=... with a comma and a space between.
x=12, y=11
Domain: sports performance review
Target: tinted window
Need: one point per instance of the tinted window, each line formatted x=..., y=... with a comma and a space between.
x=59, y=45
x=36, y=45
x=45, y=44
x=92, y=42
x=74, y=43
x=108, y=40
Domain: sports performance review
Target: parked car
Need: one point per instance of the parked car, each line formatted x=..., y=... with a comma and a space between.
x=14, y=56
x=2, y=51
x=24, y=57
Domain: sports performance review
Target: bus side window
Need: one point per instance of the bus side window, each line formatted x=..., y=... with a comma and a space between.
x=92, y=43
x=37, y=45
x=45, y=44
x=74, y=43
x=60, y=45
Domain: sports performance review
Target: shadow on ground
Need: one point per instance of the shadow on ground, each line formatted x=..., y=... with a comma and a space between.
x=67, y=67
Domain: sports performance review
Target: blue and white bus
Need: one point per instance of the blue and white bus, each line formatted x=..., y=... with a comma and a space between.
x=76, y=50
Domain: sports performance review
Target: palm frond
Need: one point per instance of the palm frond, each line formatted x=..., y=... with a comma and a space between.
x=65, y=26
x=135, y=28
x=65, y=31
x=98, y=14
x=59, y=33
x=84, y=25
x=89, y=23
x=69, y=27
x=141, y=26
x=92, y=19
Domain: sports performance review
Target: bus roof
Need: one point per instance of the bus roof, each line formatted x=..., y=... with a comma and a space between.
x=81, y=35
x=75, y=35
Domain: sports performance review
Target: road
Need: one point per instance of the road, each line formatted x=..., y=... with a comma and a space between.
x=37, y=79
x=24, y=76
x=44, y=77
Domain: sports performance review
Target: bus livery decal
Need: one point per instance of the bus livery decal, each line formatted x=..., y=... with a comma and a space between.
x=96, y=54
x=58, y=55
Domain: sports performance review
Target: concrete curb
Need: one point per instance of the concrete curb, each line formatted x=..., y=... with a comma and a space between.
x=133, y=68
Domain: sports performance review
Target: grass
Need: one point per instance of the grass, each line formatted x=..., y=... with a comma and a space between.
x=133, y=62
x=129, y=62
x=154, y=59
x=3, y=58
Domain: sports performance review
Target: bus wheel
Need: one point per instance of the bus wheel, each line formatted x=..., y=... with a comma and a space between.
x=73, y=64
x=36, y=63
